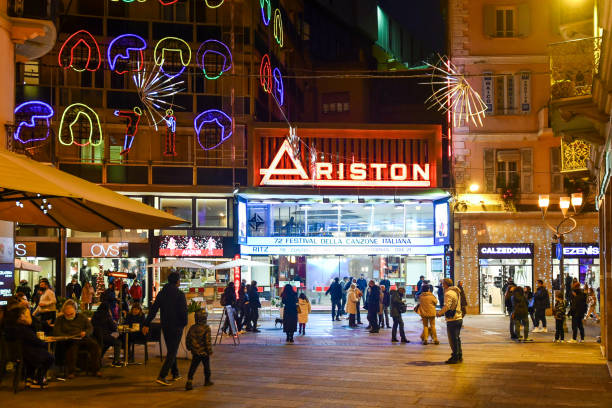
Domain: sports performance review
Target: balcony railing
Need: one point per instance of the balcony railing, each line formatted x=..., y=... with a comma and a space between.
x=573, y=66
x=35, y=9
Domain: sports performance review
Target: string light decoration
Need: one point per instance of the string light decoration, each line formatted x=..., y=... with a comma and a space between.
x=266, y=11
x=132, y=121
x=279, y=88
x=167, y=2
x=219, y=133
x=155, y=92
x=574, y=155
x=30, y=115
x=82, y=38
x=278, y=27
x=217, y=49
x=454, y=94
x=172, y=45
x=170, y=120
x=74, y=115
x=120, y=48
x=213, y=3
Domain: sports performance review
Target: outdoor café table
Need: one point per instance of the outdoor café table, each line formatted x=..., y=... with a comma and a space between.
x=126, y=330
x=53, y=340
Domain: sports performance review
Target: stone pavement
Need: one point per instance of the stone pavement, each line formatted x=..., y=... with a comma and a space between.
x=334, y=366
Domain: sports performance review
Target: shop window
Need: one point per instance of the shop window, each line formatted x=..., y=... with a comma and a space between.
x=212, y=213
x=179, y=207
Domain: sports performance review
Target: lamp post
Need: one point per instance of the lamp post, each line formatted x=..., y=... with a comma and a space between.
x=560, y=230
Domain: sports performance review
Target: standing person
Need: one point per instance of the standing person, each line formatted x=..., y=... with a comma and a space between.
x=592, y=303
x=136, y=292
x=289, y=300
x=240, y=316
x=46, y=302
x=73, y=290
x=198, y=341
x=25, y=289
x=463, y=299
x=568, y=288
x=358, y=295
x=385, y=282
x=173, y=306
x=303, y=312
x=440, y=288
x=344, y=284
x=541, y=302
x=385, y=302
x=520, y=314
x=530, y=308
x=255, y=305
x=451, y=310
x=335, y=292
x=228, y=298
x=352, y=304
x=508, y=306
x=559, y=314
x=419, y=287
x=87, y=296
x=373, y=304
x=362, y=284
x=578, y=308
x=427, y=311
x=246, y=309
x=397, y=308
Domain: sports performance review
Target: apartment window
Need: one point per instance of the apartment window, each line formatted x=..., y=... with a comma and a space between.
x=31, y=73
x=507, y=21
x=212, y=213
x=179, y=207
x=507, y=172
x=504, y=21
x=556, y=177
x=336, y=102
x=175, y=12
x=505, y=95
x=508, y=169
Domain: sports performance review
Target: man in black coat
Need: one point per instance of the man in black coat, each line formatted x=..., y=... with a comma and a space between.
x=373, y=306
x=541, y=302
x=173, y=305
x=335, y=290
x=254, y=305
x=361, y=285
x=73, y=289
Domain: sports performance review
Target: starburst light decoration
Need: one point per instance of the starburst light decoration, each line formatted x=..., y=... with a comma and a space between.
x=156, y=91
x=453, y=93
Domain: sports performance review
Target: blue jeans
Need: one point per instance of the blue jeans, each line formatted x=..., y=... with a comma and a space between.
x=453, y=331
x=172, y=337
x=336, y=305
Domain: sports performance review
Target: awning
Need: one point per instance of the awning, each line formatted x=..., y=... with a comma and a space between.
x=35, y=193
x=181, y=263
x=236, y=263
x=27, y=266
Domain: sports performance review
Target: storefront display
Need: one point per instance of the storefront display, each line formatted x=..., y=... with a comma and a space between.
x=497, y=263
x=42, y=254
x=580, y=261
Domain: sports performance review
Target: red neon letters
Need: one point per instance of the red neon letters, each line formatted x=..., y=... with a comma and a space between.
x=66, y=57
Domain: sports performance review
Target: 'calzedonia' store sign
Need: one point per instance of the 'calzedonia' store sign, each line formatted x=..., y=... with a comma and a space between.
x=324, y=174
x=505, y=251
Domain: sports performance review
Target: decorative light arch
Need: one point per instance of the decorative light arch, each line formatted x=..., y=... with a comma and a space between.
x=34, y=111
x=65, y=57
x=73, y=114
x=221, y=119
x=214, y=47
x=121, y=47
x=266, y=11
x=172, y=44
x=265, y=73
x=278, y=27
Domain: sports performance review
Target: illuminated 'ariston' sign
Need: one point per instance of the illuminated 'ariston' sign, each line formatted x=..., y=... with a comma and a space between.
x=30, y=114
x=341, y=175
x=67, y=58
x=219, y=119
x=73, y=116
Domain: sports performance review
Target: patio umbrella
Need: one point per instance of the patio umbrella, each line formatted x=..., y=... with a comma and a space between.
x=236, y=263
x=181, y=263
x=35, y=193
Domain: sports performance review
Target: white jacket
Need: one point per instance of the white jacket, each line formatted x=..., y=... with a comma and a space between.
x=452, y=301
x=46, y=302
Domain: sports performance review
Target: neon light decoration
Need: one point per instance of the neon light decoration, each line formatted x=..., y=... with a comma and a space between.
x=345, y=175
x=214, y=3
x=167, y=2
x=170, y=120
x=172, y=44
x=121, y=47
x=266, y=11
x=133, y=118
x=265, y=73
x=217, y=48
x=278, y=27
x=72, y=115
x=278, y=92
x=82, y=38
x=220, y=119
x=30, y=114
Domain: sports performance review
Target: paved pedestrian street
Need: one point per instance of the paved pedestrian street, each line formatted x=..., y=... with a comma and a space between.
x=334, y=366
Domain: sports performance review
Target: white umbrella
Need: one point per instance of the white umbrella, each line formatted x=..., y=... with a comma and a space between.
x=236, y=263
x=181, y=263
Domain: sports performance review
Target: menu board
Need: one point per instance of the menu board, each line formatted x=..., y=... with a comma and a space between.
x=7, y=282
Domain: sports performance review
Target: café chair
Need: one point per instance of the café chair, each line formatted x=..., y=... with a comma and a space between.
x=155, y=336
x=14, y=354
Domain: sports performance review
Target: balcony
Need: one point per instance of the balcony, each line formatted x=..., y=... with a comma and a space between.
x=573, y=66
x=32, y=28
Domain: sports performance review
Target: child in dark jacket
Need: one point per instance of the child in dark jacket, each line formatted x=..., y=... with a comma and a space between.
x=135, y=318
x=199, y=342
x=559, y=314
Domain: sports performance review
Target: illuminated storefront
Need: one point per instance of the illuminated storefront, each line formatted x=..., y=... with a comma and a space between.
x=42, y=254
x=580, y=261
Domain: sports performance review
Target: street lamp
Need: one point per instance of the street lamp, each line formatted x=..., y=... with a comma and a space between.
x=560, y=230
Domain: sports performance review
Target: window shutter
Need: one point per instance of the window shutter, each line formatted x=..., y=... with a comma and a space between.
x=489, y=170
x=524, y=20
x=556, y=178
x=489, y=20
x=526, y=170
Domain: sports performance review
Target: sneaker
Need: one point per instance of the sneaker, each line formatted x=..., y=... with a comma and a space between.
x=394, y=340
x=572, y=341
x=581, y=341
x=543, y=330
x=208, y=383
x=163, y=381
x=536, y=330
x=528, y=340
x=176, y=378
x=117, y=364
x=188, y=386
x=256, y=331
x=436, y=342
x=424, y=342
x=520, y=338
x=405, y=341
x=451, y=360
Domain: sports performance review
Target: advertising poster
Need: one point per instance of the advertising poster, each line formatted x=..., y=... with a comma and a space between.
x=441, y=216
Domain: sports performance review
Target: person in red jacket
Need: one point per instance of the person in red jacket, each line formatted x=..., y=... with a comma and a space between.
x=136, y=292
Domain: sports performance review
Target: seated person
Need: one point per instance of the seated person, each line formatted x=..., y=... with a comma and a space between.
x=73, y=324
x=105, y=330
x=18, y=326
x=136, y=316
